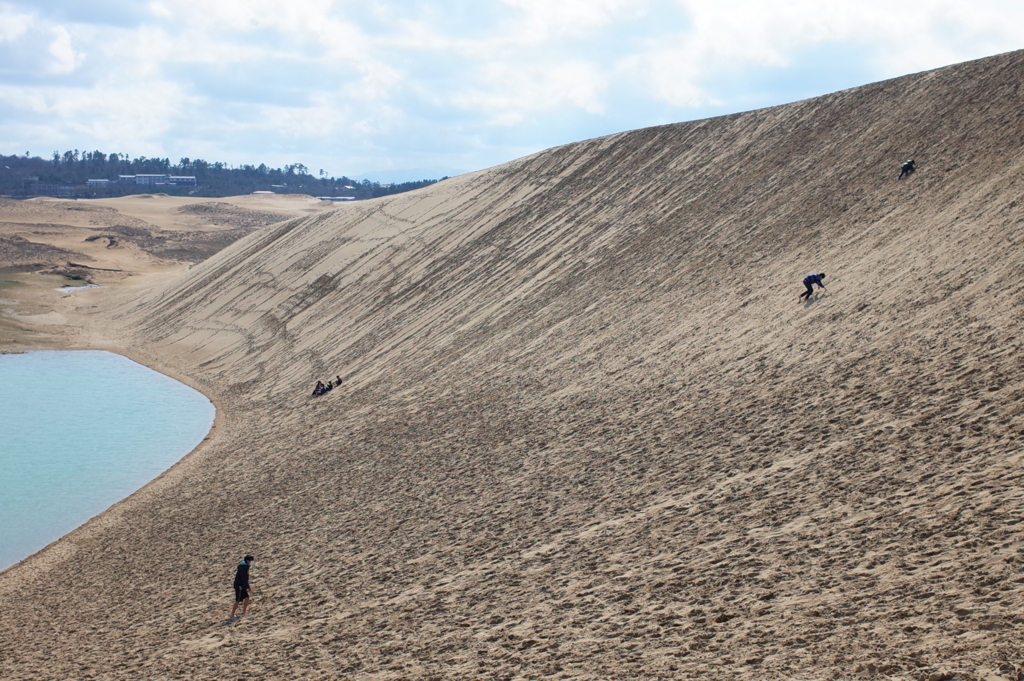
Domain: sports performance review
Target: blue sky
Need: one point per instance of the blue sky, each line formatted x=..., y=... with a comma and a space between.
x=385, y=86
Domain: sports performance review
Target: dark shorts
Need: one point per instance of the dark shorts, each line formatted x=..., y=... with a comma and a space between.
x=241, y=593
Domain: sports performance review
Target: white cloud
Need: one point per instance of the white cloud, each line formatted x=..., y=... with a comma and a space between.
x=668, y=75
x=337, y=79
x=509, y=93
x=893, y=38
x=545, y=20
x=65, y=59
x=296, y=23
x=378, y=82
x=913, y=33
x=121, y=117
x=13, y=24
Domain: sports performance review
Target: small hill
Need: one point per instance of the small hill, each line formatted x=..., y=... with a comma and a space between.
x=587, y=430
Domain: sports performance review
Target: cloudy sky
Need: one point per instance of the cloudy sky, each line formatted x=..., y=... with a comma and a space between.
x=440, y=86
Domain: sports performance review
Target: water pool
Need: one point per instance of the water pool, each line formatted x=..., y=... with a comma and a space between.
x=80, y=431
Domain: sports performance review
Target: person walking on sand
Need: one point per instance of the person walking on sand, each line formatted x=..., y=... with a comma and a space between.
x=907, y=169
x=809, y=281
x=242, y=586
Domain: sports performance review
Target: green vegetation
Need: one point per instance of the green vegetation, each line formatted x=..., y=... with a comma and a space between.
x=212, y=179
x=10, y=277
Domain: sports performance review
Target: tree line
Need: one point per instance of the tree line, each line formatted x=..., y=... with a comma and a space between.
x=212, y=179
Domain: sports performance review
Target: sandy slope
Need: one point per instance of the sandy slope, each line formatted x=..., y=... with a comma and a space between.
x=588, y=431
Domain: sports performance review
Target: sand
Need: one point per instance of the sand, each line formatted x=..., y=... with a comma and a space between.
x=587, y=429
x=126, y=243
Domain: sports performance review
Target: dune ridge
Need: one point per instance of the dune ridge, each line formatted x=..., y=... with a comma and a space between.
x=587, y=430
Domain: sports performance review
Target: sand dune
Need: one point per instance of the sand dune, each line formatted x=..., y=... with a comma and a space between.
x=587, y=429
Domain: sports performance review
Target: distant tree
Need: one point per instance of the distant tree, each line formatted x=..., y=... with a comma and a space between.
x=74, y=167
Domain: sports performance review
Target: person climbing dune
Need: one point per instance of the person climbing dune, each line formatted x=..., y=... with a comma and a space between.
x=809, y=281
x=242, y=587
x=907, y=168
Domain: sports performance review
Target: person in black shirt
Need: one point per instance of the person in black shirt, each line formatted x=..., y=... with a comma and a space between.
x=242, y=586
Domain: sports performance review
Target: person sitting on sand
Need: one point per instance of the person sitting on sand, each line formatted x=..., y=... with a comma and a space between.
x=809, y=281
x=242, y=586
x=337, y=380
x=907, y=168
x=320, y=389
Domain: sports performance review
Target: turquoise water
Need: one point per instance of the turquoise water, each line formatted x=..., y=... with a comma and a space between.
x=80, y=431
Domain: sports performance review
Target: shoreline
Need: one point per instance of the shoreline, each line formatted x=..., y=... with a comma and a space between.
x=37, y=560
